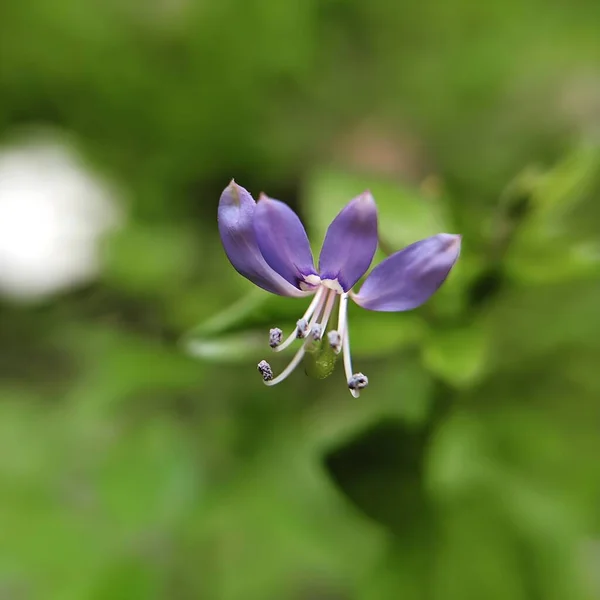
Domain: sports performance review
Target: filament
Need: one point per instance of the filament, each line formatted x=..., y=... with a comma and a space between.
x=344, y=333
x=343, y=315
x=314, y=306
x=328, y=309
x=293, y=364
x=316, y=311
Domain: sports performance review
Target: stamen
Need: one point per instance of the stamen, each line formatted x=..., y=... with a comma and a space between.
x=318, y=329
x=316, y=333
x=335, y=340
x=265, y=370
x=356, y=382
x=315, y=303
x=301, y=328
x=287, y=371
x=275, y=337
x=311, y=331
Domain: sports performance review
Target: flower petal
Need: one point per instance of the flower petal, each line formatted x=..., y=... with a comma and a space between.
x=350, y=242
x=282, y=240
x=408, y=278
x=236, y=227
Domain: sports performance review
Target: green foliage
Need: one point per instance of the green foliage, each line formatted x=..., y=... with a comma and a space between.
x=140, y=455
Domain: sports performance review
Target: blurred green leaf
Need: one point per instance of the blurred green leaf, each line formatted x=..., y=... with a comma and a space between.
x=241, y=330
x=379, y=334
x=238, y=314
x=405, y=568
x=271, y=520
x=556, y=261
x=549, y=245
x=146, y=478
x=115, y=365
x=528, y=322
x=560, y=189
x=399, y=389
x=479, y=555
x=457, y=355
x=478, y=472
x=229, y=348
x=458, y=458
x=150, y=259
x=127, y=579
x=381, y=472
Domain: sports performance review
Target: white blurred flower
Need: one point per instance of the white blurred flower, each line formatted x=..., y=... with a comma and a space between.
x=53, y=212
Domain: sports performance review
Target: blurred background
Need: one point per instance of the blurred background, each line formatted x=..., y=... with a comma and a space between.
x=140, y=455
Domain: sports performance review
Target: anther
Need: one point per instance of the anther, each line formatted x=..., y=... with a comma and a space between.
x=316, y=332
x=302, y=328
x=358, y=381
x=275, y=337
x=265, y=370
x=335, y=341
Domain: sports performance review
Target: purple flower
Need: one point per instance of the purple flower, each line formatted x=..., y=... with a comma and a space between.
x=266, y=243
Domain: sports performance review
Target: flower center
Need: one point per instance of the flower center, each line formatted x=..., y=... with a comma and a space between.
x=311, y=328
x=314, y=281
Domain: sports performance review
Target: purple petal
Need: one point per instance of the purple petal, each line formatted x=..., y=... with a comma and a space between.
x=350, y=242
x=408, y=278
x=282, y=240
x=236, y=227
